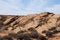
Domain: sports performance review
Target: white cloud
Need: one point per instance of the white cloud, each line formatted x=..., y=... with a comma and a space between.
x=54, y=8
x=36, y=6
x=7, y=8
x=17, y=7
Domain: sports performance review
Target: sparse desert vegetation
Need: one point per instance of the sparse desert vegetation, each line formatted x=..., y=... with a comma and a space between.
x=43, y=26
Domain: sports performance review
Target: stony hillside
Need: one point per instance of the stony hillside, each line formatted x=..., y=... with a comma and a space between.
x=43, y=26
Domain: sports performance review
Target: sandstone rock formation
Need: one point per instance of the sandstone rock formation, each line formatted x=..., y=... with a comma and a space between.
x=43, y=26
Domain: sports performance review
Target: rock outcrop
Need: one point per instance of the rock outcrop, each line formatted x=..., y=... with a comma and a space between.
x=43, y=26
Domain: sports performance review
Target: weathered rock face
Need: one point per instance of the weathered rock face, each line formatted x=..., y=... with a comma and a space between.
x=43, y=26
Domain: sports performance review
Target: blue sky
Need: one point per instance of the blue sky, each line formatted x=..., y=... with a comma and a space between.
x=24, y=7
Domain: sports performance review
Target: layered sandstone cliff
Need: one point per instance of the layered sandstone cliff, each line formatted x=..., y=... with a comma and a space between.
x=43, y=26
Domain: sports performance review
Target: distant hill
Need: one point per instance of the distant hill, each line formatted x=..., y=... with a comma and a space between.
x=42, y=26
